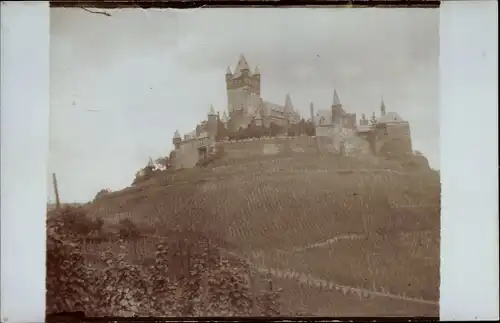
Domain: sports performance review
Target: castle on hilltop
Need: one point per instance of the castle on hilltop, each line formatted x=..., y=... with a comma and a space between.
x=334, y=129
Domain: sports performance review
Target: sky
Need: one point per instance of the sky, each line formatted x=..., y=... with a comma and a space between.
x=121, y=85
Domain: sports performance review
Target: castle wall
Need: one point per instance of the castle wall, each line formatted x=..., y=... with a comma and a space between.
x=247, y=148
x=188, y=153
x=394, y=141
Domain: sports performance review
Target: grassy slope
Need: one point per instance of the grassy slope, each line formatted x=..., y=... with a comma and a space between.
x=275, y=204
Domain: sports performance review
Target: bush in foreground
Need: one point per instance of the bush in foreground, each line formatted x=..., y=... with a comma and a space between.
x=188, y=278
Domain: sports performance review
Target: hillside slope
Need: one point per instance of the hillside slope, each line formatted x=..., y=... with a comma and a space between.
x=282, y=211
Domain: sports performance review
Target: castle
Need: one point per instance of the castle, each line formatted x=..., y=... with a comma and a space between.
x=336, y=130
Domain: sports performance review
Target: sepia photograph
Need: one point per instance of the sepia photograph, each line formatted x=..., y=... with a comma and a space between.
x=244, y=162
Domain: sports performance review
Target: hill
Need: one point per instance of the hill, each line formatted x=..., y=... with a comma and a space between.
x=365, y=223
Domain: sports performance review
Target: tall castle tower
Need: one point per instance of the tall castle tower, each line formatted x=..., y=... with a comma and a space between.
x=241, y=86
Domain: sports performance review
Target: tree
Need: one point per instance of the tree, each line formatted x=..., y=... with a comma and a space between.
x=128, y=229
x=68, y=278
x=163, y=161
x=269, y=300
x=102, y=193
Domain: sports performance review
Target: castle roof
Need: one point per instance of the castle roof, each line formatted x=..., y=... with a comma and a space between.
x=150, y=163
x=177, y=134
x=256, y=71
x=241, y=66
x=391, y=117
x=382, y=105
x=288, y=103
x=228, y=71
x=224, y=117
x=336, y=100
x=211, y=111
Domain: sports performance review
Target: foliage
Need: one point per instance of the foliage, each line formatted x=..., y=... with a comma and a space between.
x=269, y=300
x=128, y=229
x=75, y=221
x=143, y=175
x=163, y=161
x=189, y=277
x=102, y=193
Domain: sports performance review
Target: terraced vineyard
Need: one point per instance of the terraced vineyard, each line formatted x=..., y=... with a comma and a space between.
x=271, y=206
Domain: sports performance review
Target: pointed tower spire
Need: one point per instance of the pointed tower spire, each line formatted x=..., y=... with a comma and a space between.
x=228, y=71
x=288, y=103
x=336, y=100
x=382, y=107
x=150, y=164
x=241, y=67
x=224, y=117
x=311, y=108
x=211, y=111
x=177, y=134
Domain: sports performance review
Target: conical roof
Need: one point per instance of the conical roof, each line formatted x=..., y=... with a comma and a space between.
x=336, y=99
x=382, y=107
x=228, y=71
x=241, y=66
x=211, y=111
x=150, y=163
x=288, y=103
x=177, y=134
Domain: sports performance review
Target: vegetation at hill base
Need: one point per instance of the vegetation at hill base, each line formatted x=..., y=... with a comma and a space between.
x=188, y=277
x=165, y=243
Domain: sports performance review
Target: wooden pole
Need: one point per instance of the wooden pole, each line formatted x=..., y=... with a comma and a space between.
x=56, y=191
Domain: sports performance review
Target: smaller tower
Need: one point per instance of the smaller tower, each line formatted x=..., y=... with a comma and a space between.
x=288, y=111
x=151, y=165
x=176, y=140
x=212, y=120
x=374, y=119
x=382, y=107
x=336, y=109
x=229, y=74
x=311, y=110
x=363, y=121
x=256, y=76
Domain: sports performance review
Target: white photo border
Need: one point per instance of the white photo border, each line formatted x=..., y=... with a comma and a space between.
x=469, y=159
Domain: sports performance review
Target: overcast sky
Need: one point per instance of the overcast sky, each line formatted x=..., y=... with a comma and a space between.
x=121, y=85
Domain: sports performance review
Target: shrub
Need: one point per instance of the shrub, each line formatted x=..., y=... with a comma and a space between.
x=102, y=193
x=128, y=229
x=74, y=221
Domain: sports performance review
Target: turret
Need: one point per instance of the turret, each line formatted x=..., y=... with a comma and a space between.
x=311, y=108
x=176, y=140
x=374, y=118
x=229, y=74
x=288, y=109
x=363, y=121
x=256, y=77
x=336, y=109
x=151, y=165
x=382, y=107
x=212, y=121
